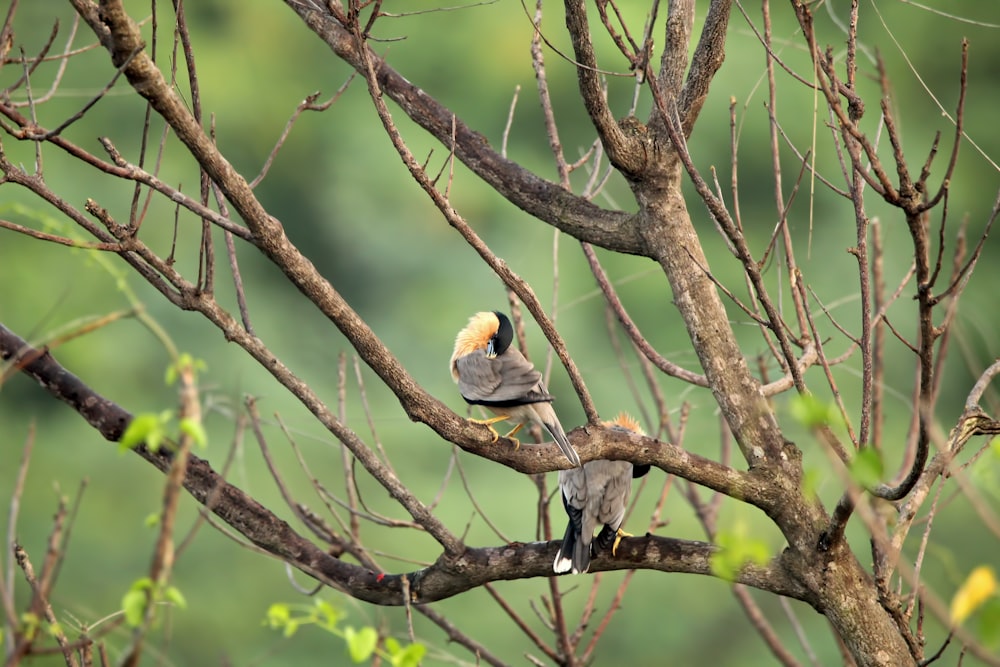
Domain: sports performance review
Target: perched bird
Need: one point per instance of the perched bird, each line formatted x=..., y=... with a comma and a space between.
x=491, y=373
x=595, y=495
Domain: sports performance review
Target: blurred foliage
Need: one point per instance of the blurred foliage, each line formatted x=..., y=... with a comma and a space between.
x=344, y=196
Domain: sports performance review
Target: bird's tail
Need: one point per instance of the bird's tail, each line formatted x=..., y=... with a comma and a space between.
x=574, y=554
x=556, y=431
x=564, y=557
x=581, y=556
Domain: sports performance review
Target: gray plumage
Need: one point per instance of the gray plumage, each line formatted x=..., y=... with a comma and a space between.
x=594, y=495
x=505, y=378
x=491, y=373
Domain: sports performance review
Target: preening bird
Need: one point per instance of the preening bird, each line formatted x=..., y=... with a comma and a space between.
x=491, y=373
x=594, y=495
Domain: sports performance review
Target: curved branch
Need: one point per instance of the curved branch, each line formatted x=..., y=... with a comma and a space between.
x=705, y=62
x=620, y=148
x=545, y=200
x=453, y=573
x=674, y=61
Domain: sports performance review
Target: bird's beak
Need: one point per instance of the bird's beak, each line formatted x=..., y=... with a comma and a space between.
x=491, y=349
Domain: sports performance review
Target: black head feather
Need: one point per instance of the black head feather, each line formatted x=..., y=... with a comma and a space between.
x=504, y=335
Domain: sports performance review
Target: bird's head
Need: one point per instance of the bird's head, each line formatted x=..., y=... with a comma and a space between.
x=491, y=332
x=624, y=422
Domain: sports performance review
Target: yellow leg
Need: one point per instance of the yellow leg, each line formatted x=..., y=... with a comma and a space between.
x=488, y=423
x=517, y=443
x=618, y=538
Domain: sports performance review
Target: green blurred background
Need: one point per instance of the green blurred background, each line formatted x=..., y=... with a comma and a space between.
x=345, y=198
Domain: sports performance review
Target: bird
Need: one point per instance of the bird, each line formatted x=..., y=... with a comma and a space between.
x=491, y=373
x=593, y=495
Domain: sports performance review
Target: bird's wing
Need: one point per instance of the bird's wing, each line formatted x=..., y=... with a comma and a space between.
x=478, y=376
x=520, y=379
x=573, y=484
x=508, y=378
x=615, y=480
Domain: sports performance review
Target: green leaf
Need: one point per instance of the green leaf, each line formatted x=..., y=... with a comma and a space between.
x=326, y=614
x=184, y=361
x=291, y=627
x=195, y=430
x=146, y=428
x=152, y=520
x=736, y=549
x=30, y=623
x=278, y=615
x=138, y=429
x=410, y=656
x=360, y=643
x=866, y=468
x=810, y=411
x=171, y=375
x=174, y=595
x=134, y=606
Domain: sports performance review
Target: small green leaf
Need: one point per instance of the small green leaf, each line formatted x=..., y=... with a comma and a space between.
x=410, y=656
x=278, y=615
x=866, y=468
x=171, y=375
x=140, y=427
x=326, y=614
x=146, y=428
x=134, y=606
x=142, y=584
x=810, y=411
x=152, y=520
x=173, y=594
x=736, y=549
x=196, y=430
x=291, y=627
x=360, y=643
x=184, y=361
x=30, y=624
x=392, y=646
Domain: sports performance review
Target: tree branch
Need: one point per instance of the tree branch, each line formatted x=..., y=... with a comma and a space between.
x=705, y=62
x=451, y=574
x=545, y=200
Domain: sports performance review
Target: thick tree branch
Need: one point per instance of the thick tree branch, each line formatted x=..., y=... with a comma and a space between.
x=622, y=149
x=545, y=200
x=674, y=61
x=705, y=62
x=450, y=575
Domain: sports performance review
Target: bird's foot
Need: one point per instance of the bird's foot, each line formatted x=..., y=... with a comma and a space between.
x=619, y=534
x=488, y=423
x=510, y=436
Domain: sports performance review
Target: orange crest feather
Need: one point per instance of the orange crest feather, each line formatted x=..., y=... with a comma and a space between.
x=625, y=421
x=474, y=337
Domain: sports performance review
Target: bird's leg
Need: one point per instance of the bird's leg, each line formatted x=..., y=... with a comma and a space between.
x=488, y=423
x=619, y=534
x=510, y=435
